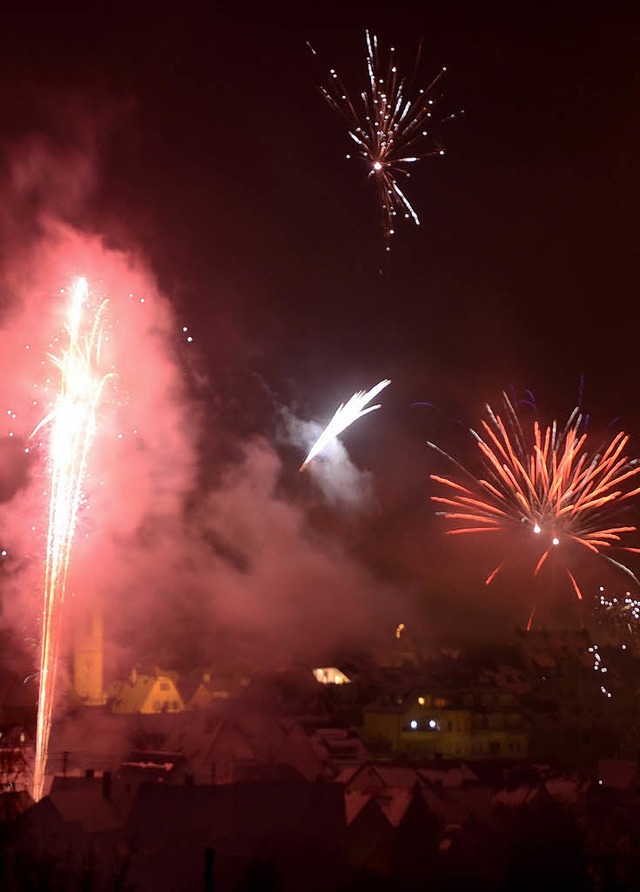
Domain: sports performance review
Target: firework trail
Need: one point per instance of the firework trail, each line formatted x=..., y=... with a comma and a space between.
x=344, y=416
x=546, y=485
x=390, y=130
x=73, y=425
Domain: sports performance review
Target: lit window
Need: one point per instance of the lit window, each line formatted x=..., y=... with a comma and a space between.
x=421, y=701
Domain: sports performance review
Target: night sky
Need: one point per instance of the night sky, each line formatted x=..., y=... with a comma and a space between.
x=217, y=157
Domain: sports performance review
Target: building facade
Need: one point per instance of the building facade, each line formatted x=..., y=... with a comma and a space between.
x=475, y=724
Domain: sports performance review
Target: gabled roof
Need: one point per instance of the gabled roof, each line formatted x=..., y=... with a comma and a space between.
x=520, y=795
x=472, y=801
x=336, y=747
x=393, y=803
x=353, y=804
x=14, y=803
x=448, y=776
x=133, y=695
x=299, y=751
x=282, y=772
x=87, y=808
x=345, y=774
x=398, y=776
x=371, y=777
x=214, y=748
x=370, y=821
x=45, y=822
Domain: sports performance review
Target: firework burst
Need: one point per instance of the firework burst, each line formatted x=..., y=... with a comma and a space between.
x=344, y=416
x=390, y=130
x=73, y=425
x=547, y=485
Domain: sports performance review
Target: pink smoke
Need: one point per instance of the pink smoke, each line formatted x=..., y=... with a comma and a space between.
x=173, y=566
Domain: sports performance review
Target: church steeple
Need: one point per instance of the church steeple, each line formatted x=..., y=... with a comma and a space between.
x=88, y=656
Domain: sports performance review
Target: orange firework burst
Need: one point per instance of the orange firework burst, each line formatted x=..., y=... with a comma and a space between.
x=546, y=484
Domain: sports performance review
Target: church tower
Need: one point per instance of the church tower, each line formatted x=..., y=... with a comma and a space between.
x=88, y=656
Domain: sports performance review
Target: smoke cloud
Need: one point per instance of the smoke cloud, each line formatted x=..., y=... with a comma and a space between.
x=183, y=574
x=341, y=482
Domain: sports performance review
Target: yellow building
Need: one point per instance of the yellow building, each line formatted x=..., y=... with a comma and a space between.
x=145, y=694
x=462, y=726
x=330, y=675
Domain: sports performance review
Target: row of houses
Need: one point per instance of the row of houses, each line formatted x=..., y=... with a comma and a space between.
x=149, y=825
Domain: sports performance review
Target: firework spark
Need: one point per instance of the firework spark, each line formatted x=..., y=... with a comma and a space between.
x=390, y=130
x=73, y=425
x=344, y=416
x=547, y=485
x=620, y=615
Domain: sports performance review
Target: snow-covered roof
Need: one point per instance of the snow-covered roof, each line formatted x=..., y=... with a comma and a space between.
x=453, y=776
x=520, y=795
x=353, y=804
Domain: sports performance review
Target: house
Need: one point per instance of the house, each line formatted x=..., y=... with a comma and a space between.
x=299, y=751
x=373, y=779
x=330, y=675
x=217, y=751
x=299, y=827
x=15, y=770
x=45, y=849
x=145, y=694
x=200, y=690
x=370, y=839
x=335, y=747
x=479, y=722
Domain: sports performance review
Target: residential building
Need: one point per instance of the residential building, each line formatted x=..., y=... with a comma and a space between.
x=145, y=694
x=474, y=724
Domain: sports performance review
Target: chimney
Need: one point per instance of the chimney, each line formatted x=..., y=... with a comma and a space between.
x=209, y=861
x=106, y=785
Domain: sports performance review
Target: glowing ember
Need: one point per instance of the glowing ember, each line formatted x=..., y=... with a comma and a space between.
x=344, y=416
x=73, y=424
